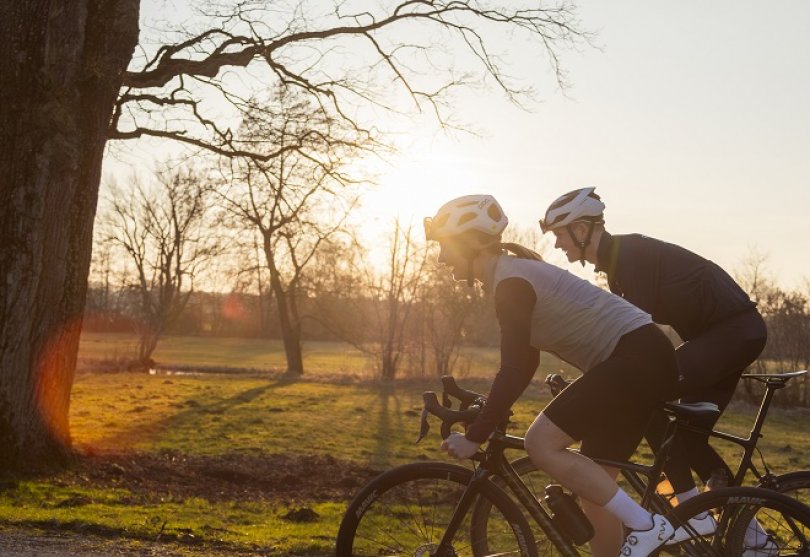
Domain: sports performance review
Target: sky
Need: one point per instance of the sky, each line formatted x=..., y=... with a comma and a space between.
x=691, y=119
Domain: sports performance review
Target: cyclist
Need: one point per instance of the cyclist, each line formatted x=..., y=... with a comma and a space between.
x=629, y=367
x=721, y=328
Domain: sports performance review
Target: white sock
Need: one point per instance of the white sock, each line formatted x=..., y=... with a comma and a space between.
x=686, y=495
x=633, y=515
x=755, y=536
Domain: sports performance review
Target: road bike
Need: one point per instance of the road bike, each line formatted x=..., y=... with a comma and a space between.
x=796, y=484
x=437, y=509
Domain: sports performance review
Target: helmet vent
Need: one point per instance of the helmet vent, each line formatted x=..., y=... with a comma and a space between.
x=494, y=213
x=558, y=218
x=441, y=220
x=466, y=217
x=567, y=198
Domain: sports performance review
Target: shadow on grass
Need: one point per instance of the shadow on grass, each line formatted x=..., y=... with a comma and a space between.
x=193, y=412
x=386, y=427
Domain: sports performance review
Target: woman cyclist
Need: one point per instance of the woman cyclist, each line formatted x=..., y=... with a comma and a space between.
x=628, y=364
x=721, y=328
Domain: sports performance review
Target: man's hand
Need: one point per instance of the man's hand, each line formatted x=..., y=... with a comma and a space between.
x=459, y=446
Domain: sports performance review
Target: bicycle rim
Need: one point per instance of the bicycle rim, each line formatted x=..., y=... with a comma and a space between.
x=406, y=511
x=783, y=519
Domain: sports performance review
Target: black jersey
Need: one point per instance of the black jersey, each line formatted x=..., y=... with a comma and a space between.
x=677, y=287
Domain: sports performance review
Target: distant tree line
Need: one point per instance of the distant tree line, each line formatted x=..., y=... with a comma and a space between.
x=278, y=279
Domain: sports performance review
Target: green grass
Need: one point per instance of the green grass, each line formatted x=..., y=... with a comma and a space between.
x=238, y=525
x=366, y=423
x=248, y=353
x=320, y=357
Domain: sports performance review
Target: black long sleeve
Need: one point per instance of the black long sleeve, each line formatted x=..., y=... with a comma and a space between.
x=514, y=303
x=675, y=286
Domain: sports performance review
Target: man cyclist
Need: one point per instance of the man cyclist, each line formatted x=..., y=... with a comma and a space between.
x=628, y=368
x=721, y=329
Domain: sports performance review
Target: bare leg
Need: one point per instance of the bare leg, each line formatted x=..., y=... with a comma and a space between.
x=608, y=530
x=547, y=447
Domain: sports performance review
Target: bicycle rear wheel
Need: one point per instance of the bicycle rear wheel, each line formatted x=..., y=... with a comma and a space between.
x=785, y=520
x=406, y=511
x=795, y=484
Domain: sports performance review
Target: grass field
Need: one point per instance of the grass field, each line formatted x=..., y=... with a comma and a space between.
x=330, y=358
x=187, y=422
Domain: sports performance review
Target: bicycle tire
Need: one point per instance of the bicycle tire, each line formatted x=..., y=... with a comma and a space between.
x=405, y=511
x=782, y=516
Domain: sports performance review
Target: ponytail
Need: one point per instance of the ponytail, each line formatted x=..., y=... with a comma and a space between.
x=521, y=252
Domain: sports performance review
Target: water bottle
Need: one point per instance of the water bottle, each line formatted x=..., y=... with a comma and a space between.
x=567, y=516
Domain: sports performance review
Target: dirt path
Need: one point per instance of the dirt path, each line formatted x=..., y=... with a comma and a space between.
x=19, y=543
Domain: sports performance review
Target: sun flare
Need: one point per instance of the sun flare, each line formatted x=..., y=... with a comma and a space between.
x=414, y=185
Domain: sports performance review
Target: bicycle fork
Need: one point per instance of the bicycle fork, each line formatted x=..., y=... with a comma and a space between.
x=445, y=548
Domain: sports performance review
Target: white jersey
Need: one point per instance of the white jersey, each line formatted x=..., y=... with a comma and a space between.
x=572, y=318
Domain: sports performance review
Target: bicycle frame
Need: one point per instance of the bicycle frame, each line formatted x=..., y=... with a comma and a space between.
x=749, y=444
x=494, y=463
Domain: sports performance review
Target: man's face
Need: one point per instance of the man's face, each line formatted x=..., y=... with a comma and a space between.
x=565, y=242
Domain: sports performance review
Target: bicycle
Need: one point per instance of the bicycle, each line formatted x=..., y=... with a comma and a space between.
x=427, y=509
x=795, y=484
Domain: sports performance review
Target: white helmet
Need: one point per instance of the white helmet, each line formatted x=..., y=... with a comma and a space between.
x=581, y=204
x=480, y=213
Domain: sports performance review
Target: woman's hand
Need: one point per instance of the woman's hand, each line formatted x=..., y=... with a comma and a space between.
x=459, y=446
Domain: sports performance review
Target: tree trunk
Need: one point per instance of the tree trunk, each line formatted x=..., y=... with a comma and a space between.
x=148, y=338
x=290, y=332
x=62, y=66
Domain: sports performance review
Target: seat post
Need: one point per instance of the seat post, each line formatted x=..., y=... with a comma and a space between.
x=661, y=458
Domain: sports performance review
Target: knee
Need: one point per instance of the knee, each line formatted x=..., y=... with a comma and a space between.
x=542, y=442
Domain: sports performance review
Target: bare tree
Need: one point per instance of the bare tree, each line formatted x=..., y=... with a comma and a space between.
x=787, y=315
x=298, y=199
x=753, y=275
x=164, y=234
x=66, y=90
x=338, y=291
x=446, y=308
x=393, y=296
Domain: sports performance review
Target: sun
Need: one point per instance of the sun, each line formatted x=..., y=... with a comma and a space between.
x=414, y=184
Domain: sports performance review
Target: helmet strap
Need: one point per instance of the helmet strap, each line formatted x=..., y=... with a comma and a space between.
x=470, y=277
x=582, y=245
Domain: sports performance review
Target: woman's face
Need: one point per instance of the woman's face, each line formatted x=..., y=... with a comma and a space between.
x=451, y=253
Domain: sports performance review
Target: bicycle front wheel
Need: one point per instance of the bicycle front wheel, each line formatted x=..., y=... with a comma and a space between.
x=406, y=512
x=785, y=521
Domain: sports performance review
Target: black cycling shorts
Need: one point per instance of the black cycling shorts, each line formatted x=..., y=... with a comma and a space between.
x=608, y=407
